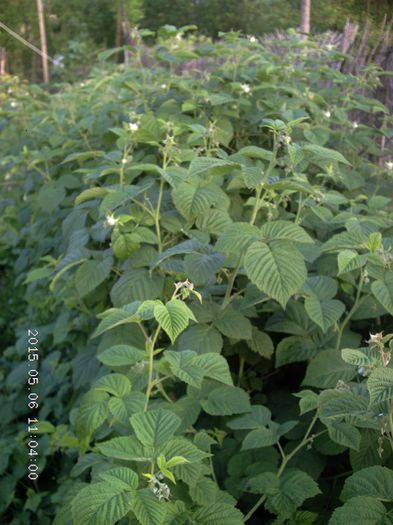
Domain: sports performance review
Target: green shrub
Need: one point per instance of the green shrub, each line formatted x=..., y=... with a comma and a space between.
x=203, y=257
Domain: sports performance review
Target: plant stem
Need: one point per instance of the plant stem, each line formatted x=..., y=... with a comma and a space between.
x=285, y=460
x=157, y=216
x=299, y=208
x=151, y=345
x=351, y=311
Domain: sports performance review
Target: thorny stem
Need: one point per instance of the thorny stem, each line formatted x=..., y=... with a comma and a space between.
x=351, y=311
x=285, y=459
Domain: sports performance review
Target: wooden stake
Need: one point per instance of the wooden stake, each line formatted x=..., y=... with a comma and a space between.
x=305, y=15
x=41, y=21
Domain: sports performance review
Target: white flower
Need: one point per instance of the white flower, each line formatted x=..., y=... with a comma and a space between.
x=329, y=47
x=178, y=36
x=14, y=104
x=163, y=86
x=82, y=84
x=355, y=124
x=133, y=126
x=245, y=88
x=389, y=165
x=327, y=114
x=252, y=39
x=124, y=161
x=111, y=220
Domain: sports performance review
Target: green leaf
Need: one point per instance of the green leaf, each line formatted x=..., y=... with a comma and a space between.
x=261, y=343
x=183, y=366
x=155, y=427
x=324, y=313
x=194, y=199
x=277, y=269
x=126, y=448
x=383, y=291
x=295, y=487
x=99, y=504
x=124, y=245
x=147, y=508
x=362, y=510
x=325, y=154
x=344, y=434
x=349, y=260
x=237, y=237
x=136, y=285
x=284, y=230
x=326, y=369
x=341, y=403
x=200, y=165
x=201, y=338
x=259, y=417
x=233, y=323
x=121, y=355
x=380, y=385
x=218, y=514
x=308, y=401
x=225, y=401
x=116, y=384
x=92, y=412
x=121, y=477
x=202, y=267
x=91, y=193
x=114, y=318
x=255, y=152
x=213, y=221
x=259, y=438
x=295, y=348
x=173, y=317
x=375, y=482
x=361, y=357
x=214, y=366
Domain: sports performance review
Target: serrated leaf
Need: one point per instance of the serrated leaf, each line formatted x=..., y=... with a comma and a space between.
x=383, y=291
x=173, y=317
x=218, y=514
x=154, y=428
x=121, y=355
x=232, y=323
x=215, y=367
x=349, y=260
x=294, y=349
x=261, y=343
x=147, y=508
x=226, y=401
x=213, y=221
x=324, y=313
x=284, y=230
x=380, y=385
x=295, y=487
x=259, y=438
x=115, y=317
x=344, y=434
x=92, y=412
x=122, y=477
x=214, y=166
x=258, y=417
x=375, y=482
x=116, y=384
x=194, y=199
x=325, y=154
x=91, y=274
x=237, y=237
x=362, y=509
x=201, y=338
x=91, y=193
x=126, y=448
x=277, y=270
x=326, y=369
x=183, y=366
x=99, y=504
x=136, y=285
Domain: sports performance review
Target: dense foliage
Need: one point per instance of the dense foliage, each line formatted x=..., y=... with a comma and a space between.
x=78, y=29
x=204, y=256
